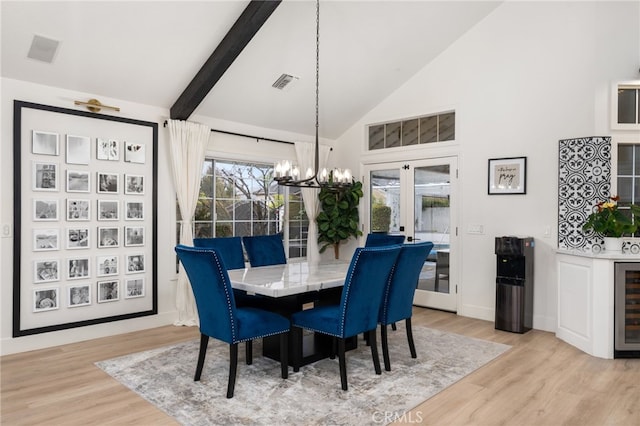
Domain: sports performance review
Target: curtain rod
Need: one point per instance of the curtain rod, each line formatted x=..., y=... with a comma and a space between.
x=257, y=138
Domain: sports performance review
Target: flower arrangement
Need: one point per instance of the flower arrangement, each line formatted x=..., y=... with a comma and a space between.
x=607, y=220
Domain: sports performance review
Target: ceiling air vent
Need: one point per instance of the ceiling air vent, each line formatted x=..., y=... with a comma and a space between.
x=284, y=81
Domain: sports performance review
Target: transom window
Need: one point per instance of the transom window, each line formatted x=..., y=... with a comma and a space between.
x=414, y=131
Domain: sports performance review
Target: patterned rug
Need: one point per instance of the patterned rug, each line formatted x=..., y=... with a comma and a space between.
x=311, y=396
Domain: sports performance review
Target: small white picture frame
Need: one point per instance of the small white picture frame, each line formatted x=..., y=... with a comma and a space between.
x=78, y=295
x=78, y=181
x=134, y=210
x=45, y=176
x=134, y=287
x=134, y=152
x=46, y=270
x=78, y=268
x=78, y=149
x=107, y=183
x=46, y=239
x=108, y=237
x=133, y=236
x=107, y=149
x=45, y=143
x=133, y=184
x=135, y=263
x=108, y=291
x=45, y=210
x=46, y=299
x=108, y=210
x=78, y=238
x=78, y=209
x=107, y=265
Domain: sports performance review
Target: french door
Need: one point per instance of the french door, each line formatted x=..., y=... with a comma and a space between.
x=418, y=199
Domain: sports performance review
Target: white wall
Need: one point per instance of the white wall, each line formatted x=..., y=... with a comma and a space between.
x=220, y=145
x=529, y=74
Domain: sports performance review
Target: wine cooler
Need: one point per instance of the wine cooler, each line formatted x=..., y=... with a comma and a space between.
x=627, y=310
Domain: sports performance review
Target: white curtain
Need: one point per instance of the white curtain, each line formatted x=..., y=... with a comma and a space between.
x=188, y=142
x=306, y=154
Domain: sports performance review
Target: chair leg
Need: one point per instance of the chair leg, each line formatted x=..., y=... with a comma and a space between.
x=412, y=347
x=284, y=355
x=385, y=347
x=296, y=341
x=233, y=368
x=343, y=364
x=393, y=326
x=374, y=350
x=249, y=351
x=204, y=341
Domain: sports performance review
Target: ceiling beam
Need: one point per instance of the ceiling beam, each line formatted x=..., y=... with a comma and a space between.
x=250, y=21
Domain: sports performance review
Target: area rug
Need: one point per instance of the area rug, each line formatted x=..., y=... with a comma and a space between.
x=311, y=396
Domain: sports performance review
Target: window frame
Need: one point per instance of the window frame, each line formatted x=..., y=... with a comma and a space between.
x=282, y=223
x=631, y=84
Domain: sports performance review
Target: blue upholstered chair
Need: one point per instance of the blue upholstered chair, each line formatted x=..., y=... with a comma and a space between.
x=230, y=248
x=397, y=303
x=219, y=316
x=358, y=309
x=377, y=239
x=263, y=250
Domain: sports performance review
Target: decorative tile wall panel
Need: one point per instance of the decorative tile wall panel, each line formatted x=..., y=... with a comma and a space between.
x=584, y=179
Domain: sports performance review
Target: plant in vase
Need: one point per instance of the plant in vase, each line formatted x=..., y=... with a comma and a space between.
x=611, y=222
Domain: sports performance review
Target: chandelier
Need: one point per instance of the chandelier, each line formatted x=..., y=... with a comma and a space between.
x=288, y=174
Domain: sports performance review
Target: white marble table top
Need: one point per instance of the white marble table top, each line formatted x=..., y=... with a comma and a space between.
x=294, y=277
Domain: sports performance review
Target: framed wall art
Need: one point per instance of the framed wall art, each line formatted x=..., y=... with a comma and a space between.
x=81, y=178
x=508, y=175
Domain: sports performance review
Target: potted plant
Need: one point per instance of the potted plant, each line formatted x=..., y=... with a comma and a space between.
x=338, y=219
x=611, y=222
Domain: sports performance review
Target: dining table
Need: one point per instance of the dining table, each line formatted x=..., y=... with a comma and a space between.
x=290, y=287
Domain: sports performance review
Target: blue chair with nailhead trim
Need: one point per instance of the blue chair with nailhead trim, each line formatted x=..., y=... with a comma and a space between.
x=378, y=239
x=219, y=316
x=397, y=304
x=264, y=250
x=358, y=309
x=230, y=248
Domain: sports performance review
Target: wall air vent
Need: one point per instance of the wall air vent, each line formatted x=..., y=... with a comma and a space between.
x=284, y=81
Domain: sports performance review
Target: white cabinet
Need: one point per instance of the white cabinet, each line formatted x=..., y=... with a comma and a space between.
x=586, y=300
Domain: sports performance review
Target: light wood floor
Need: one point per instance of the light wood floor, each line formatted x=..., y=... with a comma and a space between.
x=540, y=381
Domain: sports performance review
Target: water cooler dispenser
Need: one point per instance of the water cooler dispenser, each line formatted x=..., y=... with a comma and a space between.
x=514, y=284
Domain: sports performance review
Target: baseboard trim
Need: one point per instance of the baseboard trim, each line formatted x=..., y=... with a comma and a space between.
x=15, y=345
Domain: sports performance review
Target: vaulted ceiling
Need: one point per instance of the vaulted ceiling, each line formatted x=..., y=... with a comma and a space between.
x=148, y=52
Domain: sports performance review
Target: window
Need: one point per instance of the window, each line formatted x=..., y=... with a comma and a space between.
x=421, y=130
x=625, y=106
x=239, y=199
x=628, y=176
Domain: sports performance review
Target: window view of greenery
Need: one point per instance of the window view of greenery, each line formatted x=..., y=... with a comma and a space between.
x=239, y=199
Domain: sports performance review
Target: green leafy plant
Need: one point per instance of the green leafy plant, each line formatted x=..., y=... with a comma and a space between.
x=609, y=221
x=339, y=218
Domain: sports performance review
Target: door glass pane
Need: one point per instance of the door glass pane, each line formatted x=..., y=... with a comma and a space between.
x=385, y=200
x=432, y=223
